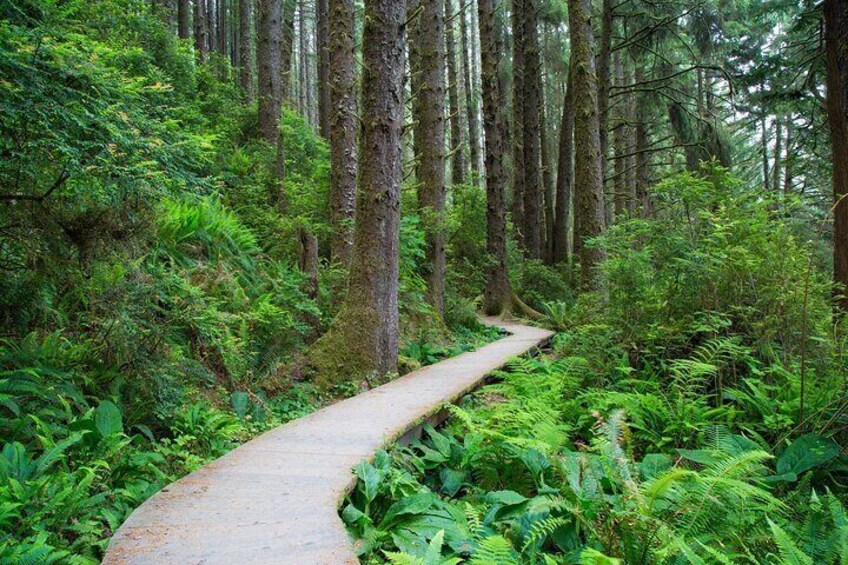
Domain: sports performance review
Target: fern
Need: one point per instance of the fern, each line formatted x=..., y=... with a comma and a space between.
x=541, y=530
x=790, y=554
x=494, y=550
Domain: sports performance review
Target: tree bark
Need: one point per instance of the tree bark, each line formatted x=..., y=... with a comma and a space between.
x=604, y=64
x=518, y=119
x=497, y=294
x=564, y=177
x=183, y=17
x=531, y=126
x=427, y=41
x=620, y=197
x=836, y=53
x=778, y=153
x=246, y=50
x=287, y=48
x=587, y=164
x=222, y=28
x=547, y=241
x=468, y=63
x=268, y=59
x=632, y=113
x=212, y=25
x=787, y=163
x=322, y=47
x=457, y=156
x=363, y=338
x=303, y=64
x=200, y=32
x=764, y=151
x=643, y=178
x=342, y=127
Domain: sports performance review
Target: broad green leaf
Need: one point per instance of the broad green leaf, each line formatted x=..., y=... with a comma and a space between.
x=451, y=480
x=108, y=419
x=702, y=456
x=806, y=452
x=505, y=497
x=408, y=505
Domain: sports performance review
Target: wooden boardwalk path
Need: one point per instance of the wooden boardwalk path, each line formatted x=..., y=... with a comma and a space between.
x=275, y=499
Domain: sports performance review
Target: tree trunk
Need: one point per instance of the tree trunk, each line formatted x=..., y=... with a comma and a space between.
x=457, y=157
x=363, y=338
x=632, y=113
x=620, y=197
x=427, y=42
x=497, y=294
x=303, y=63
x=322, y=47
x=587, y=164
x=268, y=59
x=787, y=163
x=564, y=177
x=604, y=79
x=643, y=164
x=342, y=127
x=222, y=28
x=764, y=150
x=547, y=182
x=532, y=150
x=212, y=25
x=518, y=119
x=307, y=260
x=200, y=37
x=778, y=153
x=246, y=50
x=836, y=53
x=183, y=17
x=468, y=63
x=286, y=48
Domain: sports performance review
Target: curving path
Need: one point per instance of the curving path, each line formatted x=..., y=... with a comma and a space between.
x=275, y=499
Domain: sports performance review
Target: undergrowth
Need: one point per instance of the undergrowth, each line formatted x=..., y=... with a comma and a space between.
x=695, y=412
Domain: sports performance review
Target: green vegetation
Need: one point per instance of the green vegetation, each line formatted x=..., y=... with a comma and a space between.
x=690, y=416
x=151, y=305
x=663, y=182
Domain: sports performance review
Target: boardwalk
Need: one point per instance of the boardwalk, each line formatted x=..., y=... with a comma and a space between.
x=275, y=499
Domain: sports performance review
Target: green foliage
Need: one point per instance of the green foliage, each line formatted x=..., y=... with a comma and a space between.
x=521, y=476
x=666, y=426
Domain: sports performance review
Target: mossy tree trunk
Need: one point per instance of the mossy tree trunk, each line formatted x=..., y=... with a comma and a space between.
x=342, y=127
x=363, y=339
x=532, y=131
x=427, y=49
x=518, y=119
x=587, y=163
x=604, y=80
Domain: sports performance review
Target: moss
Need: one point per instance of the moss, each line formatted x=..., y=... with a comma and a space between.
x=346, y=352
